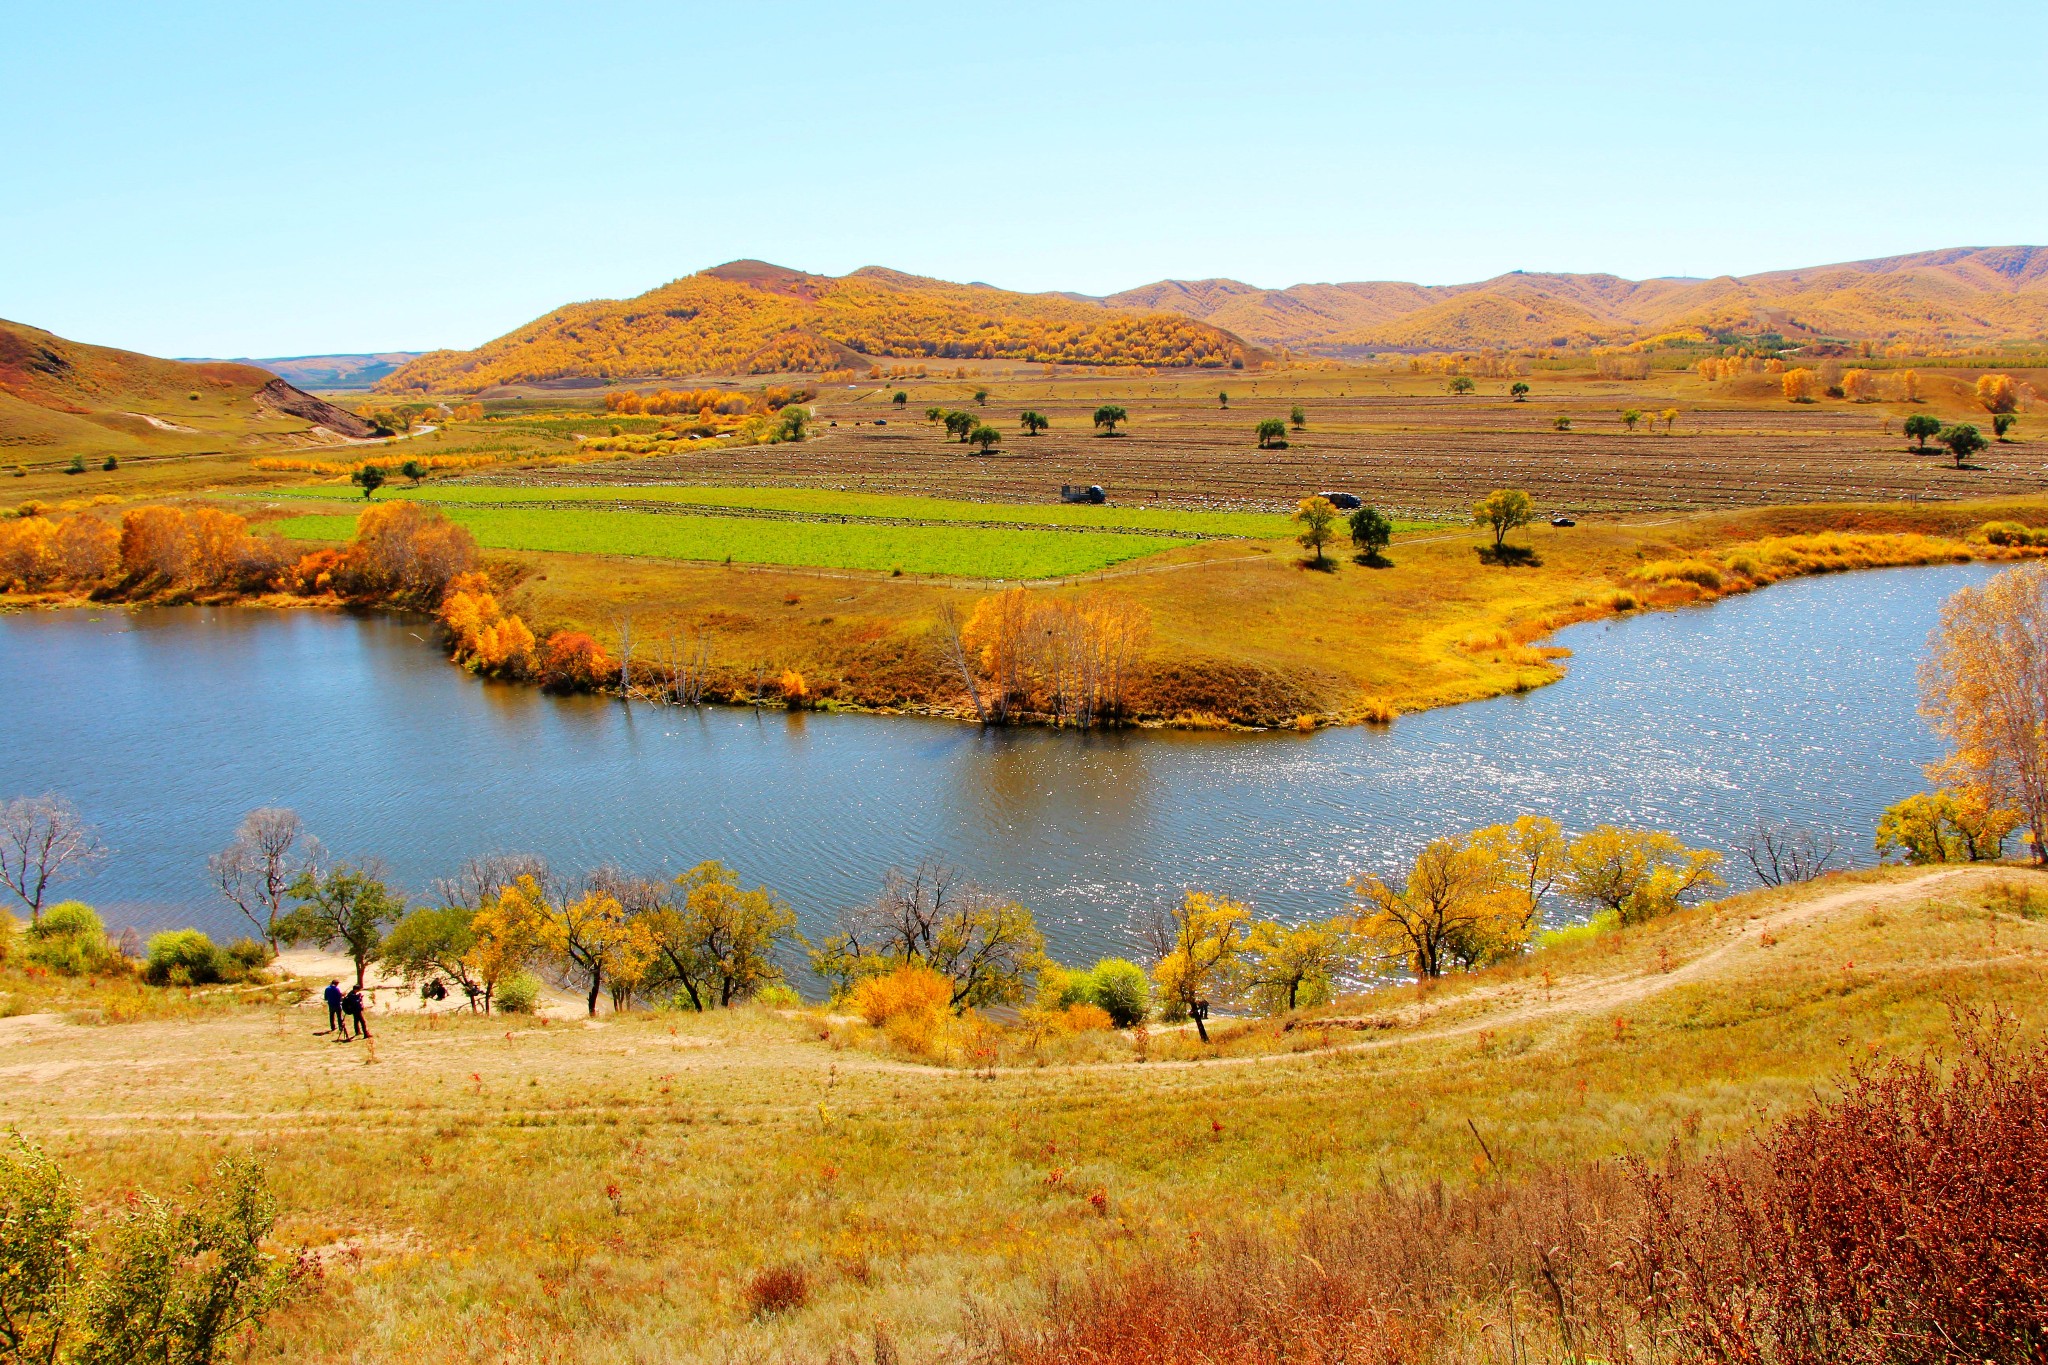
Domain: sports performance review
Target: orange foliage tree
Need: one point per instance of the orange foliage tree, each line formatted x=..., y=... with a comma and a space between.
x=573, y=662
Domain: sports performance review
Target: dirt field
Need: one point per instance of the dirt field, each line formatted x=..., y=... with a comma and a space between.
x=1399, y=441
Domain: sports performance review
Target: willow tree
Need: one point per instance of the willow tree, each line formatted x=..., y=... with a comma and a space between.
x=1984, y=688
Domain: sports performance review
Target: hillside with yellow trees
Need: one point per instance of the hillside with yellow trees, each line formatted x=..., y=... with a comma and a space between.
x=1928, y=300
x=749, y=317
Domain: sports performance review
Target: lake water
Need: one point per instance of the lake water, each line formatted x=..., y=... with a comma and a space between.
x=164, y=727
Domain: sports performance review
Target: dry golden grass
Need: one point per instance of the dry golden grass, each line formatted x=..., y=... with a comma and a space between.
x=488, y=1189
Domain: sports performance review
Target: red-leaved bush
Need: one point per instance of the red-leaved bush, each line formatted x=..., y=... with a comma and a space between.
x=1905, y=1221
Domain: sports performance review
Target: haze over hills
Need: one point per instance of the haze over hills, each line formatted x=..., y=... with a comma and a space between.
x=70, y=398
x=339, y=371
x=1975, y=294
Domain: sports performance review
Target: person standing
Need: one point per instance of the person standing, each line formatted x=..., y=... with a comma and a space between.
x=352, y=1005
x=335, y=1019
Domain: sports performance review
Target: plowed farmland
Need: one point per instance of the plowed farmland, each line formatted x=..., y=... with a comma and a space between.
x=1401, y=443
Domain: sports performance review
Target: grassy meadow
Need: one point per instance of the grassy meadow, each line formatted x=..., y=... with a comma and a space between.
x=959, y=552
x=610, y=1191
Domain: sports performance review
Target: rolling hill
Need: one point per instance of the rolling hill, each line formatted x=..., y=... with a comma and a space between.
x=63, y=398
x=1934, y=298
x=749, y=317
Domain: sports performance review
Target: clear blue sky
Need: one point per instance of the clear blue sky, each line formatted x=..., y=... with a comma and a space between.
x=285, y=178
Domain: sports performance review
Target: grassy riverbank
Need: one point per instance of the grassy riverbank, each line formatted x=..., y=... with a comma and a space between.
x=1246, y=629
x=1238, y=630
x=609, y=1191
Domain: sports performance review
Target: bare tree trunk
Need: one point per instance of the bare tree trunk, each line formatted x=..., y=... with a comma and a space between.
x=949, y=621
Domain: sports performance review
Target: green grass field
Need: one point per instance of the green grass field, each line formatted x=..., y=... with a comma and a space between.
x=962, y=551
x=826, y=502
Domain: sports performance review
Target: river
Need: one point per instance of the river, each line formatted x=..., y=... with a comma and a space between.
x=165, y=726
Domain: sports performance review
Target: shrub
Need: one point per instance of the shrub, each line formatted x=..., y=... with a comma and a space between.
x=1085, y=1018
x=1871, y=1227
x=517, y=994
x=1695, y=571
x=151, y=1282
x=2011, y=533
x=10, y=929
x=1059, y=987
x=1571, y=935
x=572, y=662
x=70, y=940
x=185, y=957
x=911, y=989
x=250, y=955
x=779, y=995
x=1121, y=990
x=777, y=1289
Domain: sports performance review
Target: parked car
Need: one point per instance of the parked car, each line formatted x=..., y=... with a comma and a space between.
x=1092, y=493
x=1562, y=520
x=1343, y=502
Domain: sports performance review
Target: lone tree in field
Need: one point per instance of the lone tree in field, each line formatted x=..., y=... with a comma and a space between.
x=1629, y=418
x=1108, y=415
x=984, y=436
x=1462, y=384
x=1033, y=422
x=1984, y=689
x=934, y=414
x=1297, y=418
x=981, y=398
x=901, y=399
x=1222, y=400
x=414, y=470
x=42, y=839
x=1518, y=391
x=1272, y=434
x=1963, y=441
x=1560, y=424
x=961, y=424
x=1371, y=531
x=369, y=478
x=2001, y=425
x=1504, y=510
x=1922, y=428
x=1317, y=518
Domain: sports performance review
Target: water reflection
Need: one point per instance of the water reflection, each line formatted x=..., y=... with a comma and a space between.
x=166, y=726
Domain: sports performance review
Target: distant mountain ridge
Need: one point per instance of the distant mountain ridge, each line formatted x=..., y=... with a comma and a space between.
x=1956, y=294
x=343, y=370
x=751, y=317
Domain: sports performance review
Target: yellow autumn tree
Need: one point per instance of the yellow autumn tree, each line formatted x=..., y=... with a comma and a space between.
x=507, y=936
x=1997, y=393
x=1984, y=688
x=590, y=938
x=1800, y=385
x=1639, y=874
x=1456, y=896
x=1199, y=945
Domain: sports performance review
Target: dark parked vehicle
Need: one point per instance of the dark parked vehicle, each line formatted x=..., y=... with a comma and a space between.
x=1343, y=502
x=1562, y=520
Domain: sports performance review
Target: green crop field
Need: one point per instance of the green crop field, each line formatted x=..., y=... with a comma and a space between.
x=816, y=502
x=954, y=551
